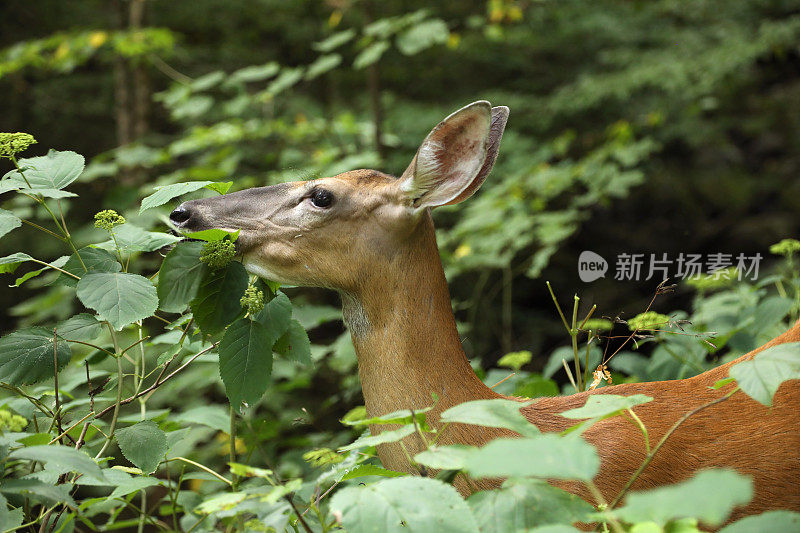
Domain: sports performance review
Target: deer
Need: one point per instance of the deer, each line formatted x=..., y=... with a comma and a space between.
x=370, y=237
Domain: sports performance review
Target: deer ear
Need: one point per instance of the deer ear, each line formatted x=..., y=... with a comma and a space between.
x=456, y=156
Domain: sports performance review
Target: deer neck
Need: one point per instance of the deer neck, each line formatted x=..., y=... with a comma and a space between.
x=402, y=326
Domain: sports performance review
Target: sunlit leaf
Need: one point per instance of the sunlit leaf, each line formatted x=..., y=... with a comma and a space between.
x=118, y=297
x=498, y=413
x=64, y=457
x=761, y=376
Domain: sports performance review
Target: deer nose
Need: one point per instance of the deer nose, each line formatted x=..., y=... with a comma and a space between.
x=180, y=215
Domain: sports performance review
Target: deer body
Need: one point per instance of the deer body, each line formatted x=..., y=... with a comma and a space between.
x=370, y=236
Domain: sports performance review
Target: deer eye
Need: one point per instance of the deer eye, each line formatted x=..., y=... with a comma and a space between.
x=322, y=198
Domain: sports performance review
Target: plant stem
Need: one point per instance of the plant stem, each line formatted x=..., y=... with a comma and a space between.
x=232, y=450
x=117, y=404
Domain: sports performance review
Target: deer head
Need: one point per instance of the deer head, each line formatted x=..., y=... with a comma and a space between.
x=329, y=232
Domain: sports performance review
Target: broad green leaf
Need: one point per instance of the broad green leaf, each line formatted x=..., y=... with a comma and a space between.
x=39, y=491
x=294, y=344
x=133, y=485
x=27, y=356
x=214, y=234
x=217, y=302
x=452, y=457
x=221, y=502
x=213, y=416
x=403, y=416
x=245, y=361
x=10, y=263
x=276, y=315
x=118, y=297
x=497, y=413
x=515, y=360
x=370, y=54
x=364, y=470
x=132, y=238
x=53, y=171
x=761, y=376
x=381, y=438
x=143, y=444
x=323, y=64
x=10, y=519
x=767, y=521
x=180, y=276
x=51, y=193
x=700, y=497
x=81, y=327
x=421, y=36
x=253, y=73
x=544, y=456
x=94, y=260
x=605, y=405
x=311, y=316
x=250, y=471
x=64, y=457
x=522, y=504
x=165, y=193
x=58, y=263
x=8, y=221
x=403, y=505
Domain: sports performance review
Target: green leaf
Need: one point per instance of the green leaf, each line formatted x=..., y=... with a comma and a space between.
x=133, y=485
x=10, y=263
x=294, y=344
x=700, y=497
x=498, y=413
x=605, y=405
x=452, y=457
x=522, y=504
x=180, y=276
x=544, y=456
x=515, y=360
x=767, y=521
x=761, y=376
x=118, y=297
x=370, y=54
x=364, y=470
x=64, y=457
x=421, y=36
x=403, y=505
x=10, y=519
x=8, y=221
x=53, y=171
x=381, y=438
x=323, y=64
x=217, y=302
x=214, y=234
x=165, y=193
x=276, y=315
x=143, y=444
x=213, y=416
x=245, y=361
x=58, y=263
x=81, y=327
x=334, y=41
x=253, y=73
x=26, y=356
x=403, y=416
x=39, y=491
x=132, y=238
x=94, y=259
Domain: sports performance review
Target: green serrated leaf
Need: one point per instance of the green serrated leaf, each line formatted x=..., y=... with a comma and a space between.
x=143, y=444
x=180, y=276
x=605, y=405
x=27, y=356
x=214, y=234
x=165, y=193
x=451, y=457
x=370, y=54
x=134, y=485
x=64, y=457
x=402, y=505
x=245, y=361
x=767, y=521
x=323, y=64
x=761, y=376
x=213, y=416
x=334, y=41
x=364, y=470
x=81, y=327
x=39, y=491
x=132, y=238
x=699, y=497
x=8, y=221
x=294, y=344
x=119, y=297
x=94, y=259
x=50, y=172
x=382, y=438
x=544, y=456
x=217, y=303
x=523, y=504
x=499, y=413
x=10, y=263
